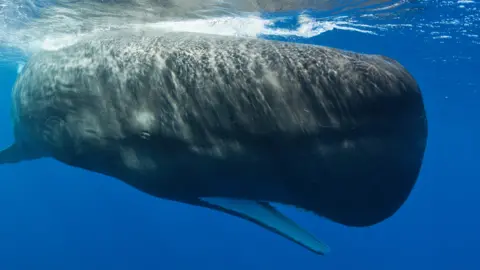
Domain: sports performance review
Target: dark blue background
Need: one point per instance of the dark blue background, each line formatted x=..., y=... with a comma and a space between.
x=56, y=217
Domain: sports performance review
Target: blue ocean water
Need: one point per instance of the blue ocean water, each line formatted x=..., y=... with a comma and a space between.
x=56, y=217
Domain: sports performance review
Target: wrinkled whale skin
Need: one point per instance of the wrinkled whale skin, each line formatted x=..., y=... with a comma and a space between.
x=182, y=116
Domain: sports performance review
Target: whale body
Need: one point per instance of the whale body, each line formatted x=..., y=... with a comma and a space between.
x=232, y=124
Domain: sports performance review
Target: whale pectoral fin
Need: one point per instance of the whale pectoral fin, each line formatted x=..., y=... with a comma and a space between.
x=14, y=153
x=267, y=216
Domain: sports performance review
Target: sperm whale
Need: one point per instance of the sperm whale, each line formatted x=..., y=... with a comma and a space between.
x=232, y=124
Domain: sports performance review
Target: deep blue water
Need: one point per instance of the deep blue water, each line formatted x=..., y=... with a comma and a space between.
x=56, y=217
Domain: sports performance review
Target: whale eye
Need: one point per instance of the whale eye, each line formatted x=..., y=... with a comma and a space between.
x=145, y=135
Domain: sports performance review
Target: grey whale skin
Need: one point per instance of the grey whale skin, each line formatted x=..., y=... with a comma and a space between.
x=231, y=124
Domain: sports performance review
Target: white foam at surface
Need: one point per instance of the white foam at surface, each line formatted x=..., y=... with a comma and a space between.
x=26, y=28
x=228, y=26
x=251, y=26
